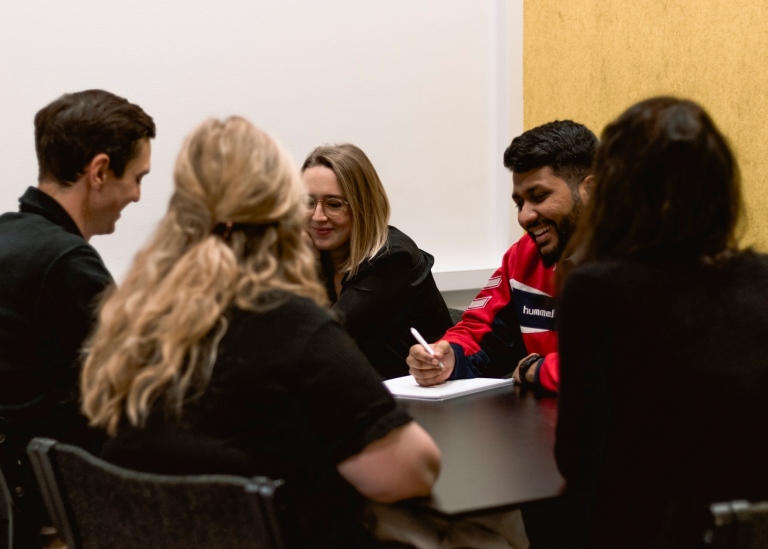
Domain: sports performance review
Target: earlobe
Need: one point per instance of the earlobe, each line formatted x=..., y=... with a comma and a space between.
x=97, y=170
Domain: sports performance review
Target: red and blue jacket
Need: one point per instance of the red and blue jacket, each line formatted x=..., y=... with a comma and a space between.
x=512, y=317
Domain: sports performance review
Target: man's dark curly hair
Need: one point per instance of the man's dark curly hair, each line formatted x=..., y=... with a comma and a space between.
x=565, y=146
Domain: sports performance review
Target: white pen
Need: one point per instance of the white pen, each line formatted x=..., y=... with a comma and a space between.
x=426, y=346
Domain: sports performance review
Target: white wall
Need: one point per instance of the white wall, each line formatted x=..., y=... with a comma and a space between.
x=430, y=89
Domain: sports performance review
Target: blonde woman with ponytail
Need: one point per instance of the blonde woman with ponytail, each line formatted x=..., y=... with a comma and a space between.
x=217, y=354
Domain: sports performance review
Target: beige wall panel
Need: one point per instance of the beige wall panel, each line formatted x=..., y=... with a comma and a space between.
x=588, y=60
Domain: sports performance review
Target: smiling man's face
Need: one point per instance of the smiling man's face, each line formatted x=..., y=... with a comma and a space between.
x=547, y=209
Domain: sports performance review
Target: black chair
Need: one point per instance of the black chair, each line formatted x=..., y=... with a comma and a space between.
x=95, y=504
x=738, y=525
x=6, y=514
x=456, y=314
x=22, y=512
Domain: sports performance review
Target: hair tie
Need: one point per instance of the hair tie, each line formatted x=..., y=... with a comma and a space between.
x=223, y=229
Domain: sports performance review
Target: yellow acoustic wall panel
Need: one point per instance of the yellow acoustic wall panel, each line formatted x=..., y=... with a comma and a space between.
x=588, y=60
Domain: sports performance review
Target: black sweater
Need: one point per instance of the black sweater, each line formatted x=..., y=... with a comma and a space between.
x=389, y=295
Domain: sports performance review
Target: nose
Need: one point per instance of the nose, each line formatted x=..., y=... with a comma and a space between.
x=526, y=215
x=318, y=214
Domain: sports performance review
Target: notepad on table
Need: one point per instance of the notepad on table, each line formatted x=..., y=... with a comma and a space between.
x=406, y=387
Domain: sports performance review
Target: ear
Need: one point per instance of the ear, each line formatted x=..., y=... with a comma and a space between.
x=96, y=171
x=585, y=188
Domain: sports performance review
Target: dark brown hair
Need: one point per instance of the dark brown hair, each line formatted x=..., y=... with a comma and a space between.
x=73, y=129
x=666, y=187
x=565, y=146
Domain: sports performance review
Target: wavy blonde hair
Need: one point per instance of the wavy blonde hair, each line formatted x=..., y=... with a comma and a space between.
x=157, y=333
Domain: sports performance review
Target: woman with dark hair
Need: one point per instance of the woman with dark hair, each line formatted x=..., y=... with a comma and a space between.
x=663, y=337
x=217, y=355
x=378, y=280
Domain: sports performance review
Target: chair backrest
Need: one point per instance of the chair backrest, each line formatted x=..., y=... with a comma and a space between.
x=6, y=514
x=738, y=525
x=95, y=504
x=456, y=314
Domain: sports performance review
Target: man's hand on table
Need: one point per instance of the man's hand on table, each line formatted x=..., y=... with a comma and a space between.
x=530, y=373
x=426, y=369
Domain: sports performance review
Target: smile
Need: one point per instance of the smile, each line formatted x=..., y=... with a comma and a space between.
x=543, y=234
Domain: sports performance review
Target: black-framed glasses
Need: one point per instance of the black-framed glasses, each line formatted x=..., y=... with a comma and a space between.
x=333, y=206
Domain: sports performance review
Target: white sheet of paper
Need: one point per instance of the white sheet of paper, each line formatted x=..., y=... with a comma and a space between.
x=406, y=387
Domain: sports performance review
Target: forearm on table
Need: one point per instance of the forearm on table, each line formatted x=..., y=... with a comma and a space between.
x=402, y=464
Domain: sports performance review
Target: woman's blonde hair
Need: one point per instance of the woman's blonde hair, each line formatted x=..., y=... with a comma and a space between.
x=368, y=203
x=233, y=231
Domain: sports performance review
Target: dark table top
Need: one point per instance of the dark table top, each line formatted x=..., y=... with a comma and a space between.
x=497, y=449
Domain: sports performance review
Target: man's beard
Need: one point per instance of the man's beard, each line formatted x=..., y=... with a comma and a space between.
x=564, y=230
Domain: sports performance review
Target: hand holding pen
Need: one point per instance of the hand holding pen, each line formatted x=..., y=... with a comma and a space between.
x=421, y=361
x=426, y=346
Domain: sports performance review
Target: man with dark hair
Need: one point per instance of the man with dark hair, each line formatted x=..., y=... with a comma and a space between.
x=93, y=150
x=509, y=328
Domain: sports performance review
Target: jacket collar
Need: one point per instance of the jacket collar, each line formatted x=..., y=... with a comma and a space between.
x=37, y=202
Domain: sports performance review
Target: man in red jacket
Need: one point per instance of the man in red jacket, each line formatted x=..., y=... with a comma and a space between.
x=509, y=328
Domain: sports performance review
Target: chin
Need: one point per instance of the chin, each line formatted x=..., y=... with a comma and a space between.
x=550, y=255
x=326, y=248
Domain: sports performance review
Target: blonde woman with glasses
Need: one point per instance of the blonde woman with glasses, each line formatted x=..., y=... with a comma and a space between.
x=217, y=355
x=379, y=281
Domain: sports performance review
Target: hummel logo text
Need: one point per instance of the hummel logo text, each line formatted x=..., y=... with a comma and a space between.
x=538, y=312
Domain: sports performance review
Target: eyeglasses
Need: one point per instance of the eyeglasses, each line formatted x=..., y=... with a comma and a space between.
x=333, y=206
